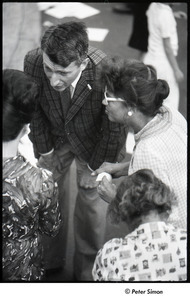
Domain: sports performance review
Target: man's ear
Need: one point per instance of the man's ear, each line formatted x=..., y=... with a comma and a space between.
x=84, y=63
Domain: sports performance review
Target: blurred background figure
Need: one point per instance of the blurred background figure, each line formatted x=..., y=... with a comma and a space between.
x=154, y=250
x=30, y=203
x=139, y=36
x=122, y=8
x=163, y=48
x=138, y=39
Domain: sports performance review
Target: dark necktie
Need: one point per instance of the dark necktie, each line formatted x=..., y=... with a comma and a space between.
x=66, y=100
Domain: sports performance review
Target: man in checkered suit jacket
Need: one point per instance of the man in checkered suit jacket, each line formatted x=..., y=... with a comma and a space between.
x=70, y=123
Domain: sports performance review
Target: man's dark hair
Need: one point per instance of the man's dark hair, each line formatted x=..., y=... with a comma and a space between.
x=65, y=43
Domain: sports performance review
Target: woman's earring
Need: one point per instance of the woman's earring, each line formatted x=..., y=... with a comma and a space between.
x=130, y=113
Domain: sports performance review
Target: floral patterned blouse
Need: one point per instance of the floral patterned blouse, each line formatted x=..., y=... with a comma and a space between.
x=30, y=208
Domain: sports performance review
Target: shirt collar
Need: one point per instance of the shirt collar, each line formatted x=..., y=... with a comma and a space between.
x=149, y=227
x=74, y=83
x=162, y=121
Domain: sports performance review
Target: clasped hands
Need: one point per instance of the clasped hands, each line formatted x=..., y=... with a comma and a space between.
x=106, y=189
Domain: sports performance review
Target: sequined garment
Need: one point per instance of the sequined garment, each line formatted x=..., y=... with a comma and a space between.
x=30, y=208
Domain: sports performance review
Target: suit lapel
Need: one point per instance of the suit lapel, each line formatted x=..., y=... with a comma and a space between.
x=54, y=98
x=82, y=91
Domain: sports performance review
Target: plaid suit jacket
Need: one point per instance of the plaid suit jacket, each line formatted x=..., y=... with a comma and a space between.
x=86, y=126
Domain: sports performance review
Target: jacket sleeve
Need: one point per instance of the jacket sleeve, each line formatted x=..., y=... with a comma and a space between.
x=40, y=135
x=41, y=192
x=110, y=144
x=49, y=216
x=113, y=135
x=40, y=128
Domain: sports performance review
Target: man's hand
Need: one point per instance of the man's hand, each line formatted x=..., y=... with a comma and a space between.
x=46, y=162
x=107, y=190
x=87, y=181
x=52, y=163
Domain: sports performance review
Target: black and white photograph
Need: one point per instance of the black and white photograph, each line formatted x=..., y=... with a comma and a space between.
x=95, y=149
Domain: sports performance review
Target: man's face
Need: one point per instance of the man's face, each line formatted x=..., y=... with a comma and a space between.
x=60, y=78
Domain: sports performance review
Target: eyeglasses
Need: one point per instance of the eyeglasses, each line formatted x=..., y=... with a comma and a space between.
x=107, y=98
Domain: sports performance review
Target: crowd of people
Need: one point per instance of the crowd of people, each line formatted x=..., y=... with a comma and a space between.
x=80, y=105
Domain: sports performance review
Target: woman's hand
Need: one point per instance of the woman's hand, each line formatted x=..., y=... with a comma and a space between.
x=115, y=169
x=107, y=190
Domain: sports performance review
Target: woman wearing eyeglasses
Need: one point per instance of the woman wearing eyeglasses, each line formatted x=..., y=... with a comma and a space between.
x=135, y=97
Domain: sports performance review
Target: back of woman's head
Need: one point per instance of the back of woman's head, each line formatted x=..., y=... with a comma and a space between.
x=140, y=194
x=135, y=82
x=65, y=43
x=19, y=98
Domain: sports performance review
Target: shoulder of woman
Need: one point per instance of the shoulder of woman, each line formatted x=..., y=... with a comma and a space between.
x=38, y=179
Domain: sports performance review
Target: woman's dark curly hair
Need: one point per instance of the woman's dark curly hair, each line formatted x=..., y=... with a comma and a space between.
x=19, y=98
x=134, y=82
x=138, y=195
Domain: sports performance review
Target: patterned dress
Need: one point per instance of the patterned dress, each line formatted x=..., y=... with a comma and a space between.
x=30, y=208
x=155, y=251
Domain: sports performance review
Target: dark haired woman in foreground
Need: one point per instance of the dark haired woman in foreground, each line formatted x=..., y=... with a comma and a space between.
x=135, y=97
x=30, y=205
x=154, y=250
